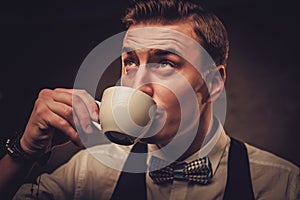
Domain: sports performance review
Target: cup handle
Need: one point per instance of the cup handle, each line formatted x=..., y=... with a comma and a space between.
x=97, y=125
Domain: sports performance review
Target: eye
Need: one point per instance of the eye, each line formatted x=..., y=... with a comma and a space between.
x=165, y=64
x=129, y=63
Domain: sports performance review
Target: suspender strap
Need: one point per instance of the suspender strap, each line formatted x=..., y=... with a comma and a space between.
x=239, y=184
x=132, y=185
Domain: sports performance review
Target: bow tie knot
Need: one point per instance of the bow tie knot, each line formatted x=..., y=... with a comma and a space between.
x=198, y=171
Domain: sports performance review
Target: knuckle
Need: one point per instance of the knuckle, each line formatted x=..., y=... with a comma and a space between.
x=57, y=89
x=76, y=99
x=39, y=107
x=83, y=93
x=72, y=134
x=62, y=123
x=45, y=92
x=68, y=111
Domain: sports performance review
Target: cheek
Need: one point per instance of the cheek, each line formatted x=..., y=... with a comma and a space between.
x=198, y=84
x=165, y=97
x=127, y=80
x=169, y=102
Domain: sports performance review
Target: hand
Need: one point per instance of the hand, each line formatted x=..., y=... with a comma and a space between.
x=66, y=110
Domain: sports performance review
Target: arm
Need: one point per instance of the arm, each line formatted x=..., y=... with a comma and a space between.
x=65, y=110
x=12, y=175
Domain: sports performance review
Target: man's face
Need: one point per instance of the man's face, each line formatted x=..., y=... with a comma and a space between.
x=164, y=75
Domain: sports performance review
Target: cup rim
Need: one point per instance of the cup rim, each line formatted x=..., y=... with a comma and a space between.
x=132, y=89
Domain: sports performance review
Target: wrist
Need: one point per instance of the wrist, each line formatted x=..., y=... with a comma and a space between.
x=20, y=152
x=28, y=149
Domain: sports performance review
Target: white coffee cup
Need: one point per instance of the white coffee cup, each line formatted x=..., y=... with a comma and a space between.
x=125, y=114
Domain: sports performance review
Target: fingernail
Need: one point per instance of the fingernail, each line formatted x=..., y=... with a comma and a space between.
x=95, y=115
x=81, y=144
x=89, y=128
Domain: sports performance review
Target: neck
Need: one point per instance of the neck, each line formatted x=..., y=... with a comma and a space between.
x=205, y=126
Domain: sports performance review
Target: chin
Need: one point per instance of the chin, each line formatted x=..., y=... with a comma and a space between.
x=162, y=138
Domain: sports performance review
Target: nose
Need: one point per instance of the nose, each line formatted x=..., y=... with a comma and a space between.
x=142, y=81
x=147, y=88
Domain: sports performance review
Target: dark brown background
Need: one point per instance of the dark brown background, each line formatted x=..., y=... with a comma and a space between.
x=44, y=42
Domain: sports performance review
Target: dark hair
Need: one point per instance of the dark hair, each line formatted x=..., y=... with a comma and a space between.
x=209, y=29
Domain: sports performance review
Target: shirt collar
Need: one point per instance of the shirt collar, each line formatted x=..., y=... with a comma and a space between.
x=214, y=154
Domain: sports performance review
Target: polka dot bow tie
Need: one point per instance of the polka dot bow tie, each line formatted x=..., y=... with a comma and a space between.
x=198, y=171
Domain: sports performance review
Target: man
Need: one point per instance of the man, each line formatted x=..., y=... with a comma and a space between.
x=237, y=172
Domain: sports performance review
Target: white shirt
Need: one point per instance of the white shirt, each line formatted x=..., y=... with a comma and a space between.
x=84, y=177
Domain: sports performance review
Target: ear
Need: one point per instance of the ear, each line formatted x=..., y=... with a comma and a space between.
x=216, y=82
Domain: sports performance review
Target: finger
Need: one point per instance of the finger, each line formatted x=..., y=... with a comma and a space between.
x=86, y=98
x=63, y=96
x=82, y=114
x=60, y=103
x=90, y=103
x=79, y=109
x=64, y=126
x=63, y=110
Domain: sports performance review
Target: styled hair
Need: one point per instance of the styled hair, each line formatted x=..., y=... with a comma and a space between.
x=211, y=32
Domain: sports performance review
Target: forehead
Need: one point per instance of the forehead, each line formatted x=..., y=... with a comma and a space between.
x=185, y=28
x=158, y=35
x=178, y=38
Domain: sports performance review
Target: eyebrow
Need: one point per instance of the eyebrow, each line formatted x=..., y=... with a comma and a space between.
x=157, y=52
x=168, y=51
x=127, y=49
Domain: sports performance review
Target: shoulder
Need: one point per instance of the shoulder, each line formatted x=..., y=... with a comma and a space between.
x=272, y=176
x=266, y=159
x=98, y=164
x=104, y=156
x=102, y=152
